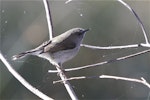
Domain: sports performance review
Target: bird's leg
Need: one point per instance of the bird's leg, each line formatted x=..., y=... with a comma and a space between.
x=61, y=67
x=61, y=71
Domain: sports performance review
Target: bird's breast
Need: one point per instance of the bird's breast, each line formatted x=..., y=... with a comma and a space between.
x=65, y=55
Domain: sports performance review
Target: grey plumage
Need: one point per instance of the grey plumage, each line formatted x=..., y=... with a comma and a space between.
x=60, y=49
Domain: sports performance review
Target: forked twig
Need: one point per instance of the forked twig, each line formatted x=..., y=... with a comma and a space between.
x=66, y=83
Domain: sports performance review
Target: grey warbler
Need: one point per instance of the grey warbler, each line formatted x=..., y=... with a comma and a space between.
x=59, y=49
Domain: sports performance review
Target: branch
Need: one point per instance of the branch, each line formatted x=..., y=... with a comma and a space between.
x=142, y=81
x=22, y=80
x=138, y=19
x=72, y=78
x=110, y=47
x=102, y=63
x=49, y=18
x=115, y=47
x=66, y=83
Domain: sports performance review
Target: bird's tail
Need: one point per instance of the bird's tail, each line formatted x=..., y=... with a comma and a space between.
x=23, y=54
x=19, y=56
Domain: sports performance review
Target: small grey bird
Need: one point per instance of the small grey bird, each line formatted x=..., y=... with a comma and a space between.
x=59, y=49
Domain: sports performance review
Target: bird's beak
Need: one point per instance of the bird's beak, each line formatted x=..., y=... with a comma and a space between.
x=86, y=30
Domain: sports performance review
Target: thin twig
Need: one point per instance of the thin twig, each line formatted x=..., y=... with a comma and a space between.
x=110, y=47
x=72, y=78
x=22, y=80
x=143, y=81
x=137, y=17
x=102, y=63
x=49, y=18
x=76, y=78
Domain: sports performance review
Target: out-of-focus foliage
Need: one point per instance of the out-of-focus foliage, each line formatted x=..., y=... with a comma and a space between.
x=23, y=26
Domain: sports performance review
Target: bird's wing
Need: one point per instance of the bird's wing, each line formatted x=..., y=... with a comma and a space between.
x=33, y=51
x=41, y=47
x=66, y=44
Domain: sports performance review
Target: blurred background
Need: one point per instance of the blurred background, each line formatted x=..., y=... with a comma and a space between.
x=23, y=27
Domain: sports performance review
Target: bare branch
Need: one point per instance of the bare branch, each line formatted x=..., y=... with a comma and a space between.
x=105, y=62
x=143, y=81
x=110, y=47
x=72, y=78
x=66, y=83
x=22, y=80
x=137, y=17
x=49, y=18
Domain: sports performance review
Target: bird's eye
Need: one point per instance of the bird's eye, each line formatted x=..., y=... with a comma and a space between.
x=79, y=33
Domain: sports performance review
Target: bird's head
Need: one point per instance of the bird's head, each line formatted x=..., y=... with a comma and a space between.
x=77, y=34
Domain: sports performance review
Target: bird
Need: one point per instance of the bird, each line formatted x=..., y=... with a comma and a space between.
x=58, y=49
